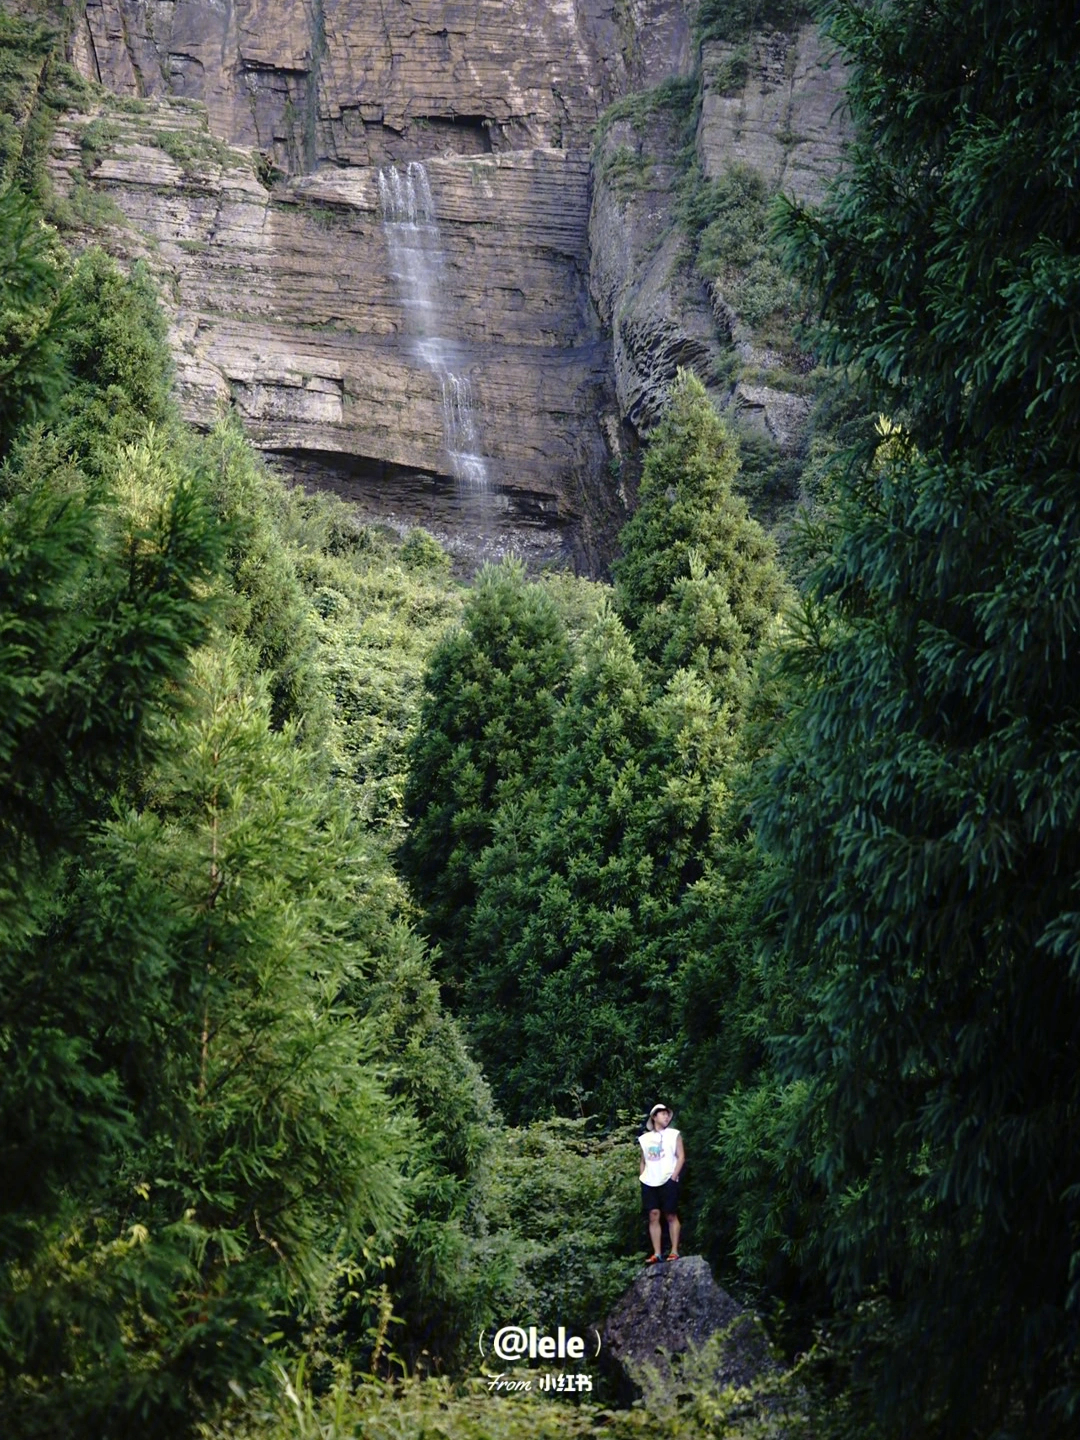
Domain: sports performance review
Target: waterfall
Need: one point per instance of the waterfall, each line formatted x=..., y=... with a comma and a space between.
x=417, y=263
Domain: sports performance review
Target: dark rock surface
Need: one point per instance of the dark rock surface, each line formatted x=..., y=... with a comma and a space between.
x=677, y=1307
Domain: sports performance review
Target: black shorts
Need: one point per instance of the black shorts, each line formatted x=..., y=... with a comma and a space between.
x=661, y=1197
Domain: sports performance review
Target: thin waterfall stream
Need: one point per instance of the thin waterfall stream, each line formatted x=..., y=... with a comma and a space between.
x=417, y=263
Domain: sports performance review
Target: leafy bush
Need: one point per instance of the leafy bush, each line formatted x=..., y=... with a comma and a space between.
x=735, y=19
x=729, y=220
x=675, y=95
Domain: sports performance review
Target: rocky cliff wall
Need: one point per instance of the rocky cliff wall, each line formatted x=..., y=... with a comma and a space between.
x=771, y=104
x=284, y=301
x=241, y=155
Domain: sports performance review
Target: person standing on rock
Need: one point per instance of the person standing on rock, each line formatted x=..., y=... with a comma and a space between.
x=662, y=1160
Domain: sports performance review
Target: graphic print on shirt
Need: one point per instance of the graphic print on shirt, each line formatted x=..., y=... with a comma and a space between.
x=659, y=1149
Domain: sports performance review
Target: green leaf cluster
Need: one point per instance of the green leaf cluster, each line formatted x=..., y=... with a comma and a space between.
x=910, y=1147
x=564, y=792
x=736, y=19
x=729, y=223
x=230, y=1097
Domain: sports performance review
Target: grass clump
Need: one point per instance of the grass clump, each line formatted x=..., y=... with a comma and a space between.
x=736, y=19
x=728, y=221
x=677, y=95
x=195, y=150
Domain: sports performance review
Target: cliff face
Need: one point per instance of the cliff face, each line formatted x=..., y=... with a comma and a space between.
x=251, y=150
x=772, y=106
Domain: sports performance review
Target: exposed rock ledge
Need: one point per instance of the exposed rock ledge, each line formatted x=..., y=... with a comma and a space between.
x=283, y=303
x=567, y=321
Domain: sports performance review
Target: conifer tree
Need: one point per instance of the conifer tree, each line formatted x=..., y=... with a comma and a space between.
x=697, y=582
x=98, y=611
x=32, y=318
x=491, y=695
x=924, y=803
x=558, y=946
x=578, y=924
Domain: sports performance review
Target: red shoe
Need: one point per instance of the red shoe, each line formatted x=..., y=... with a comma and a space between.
x=654, y=1260
x=674, y=1255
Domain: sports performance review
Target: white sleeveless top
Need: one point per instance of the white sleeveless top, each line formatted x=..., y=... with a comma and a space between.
x=658, y=1147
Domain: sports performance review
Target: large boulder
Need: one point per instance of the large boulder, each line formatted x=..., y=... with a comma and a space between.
x=677, y=1308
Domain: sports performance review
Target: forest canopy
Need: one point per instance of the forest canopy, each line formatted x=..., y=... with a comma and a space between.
x=351, y=917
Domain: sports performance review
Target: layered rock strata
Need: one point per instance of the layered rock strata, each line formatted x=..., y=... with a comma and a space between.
x=242, y=158
x=284, y=301
x=355, y=83
x=642, y=278
x=284, y=304
x=773, y=103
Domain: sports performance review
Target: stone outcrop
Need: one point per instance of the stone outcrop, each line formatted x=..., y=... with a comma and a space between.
x=283, y=305
x=283, y=301
x=675, y=1308
x=348, y=82
x=658, y=311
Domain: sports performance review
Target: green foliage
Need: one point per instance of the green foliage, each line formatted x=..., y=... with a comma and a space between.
x=771, y=480
x=342, y=620
x=263, y=1138
x=922, y=803
x=35, y=86
x=735, y=19
x=697, y=583
x=84, y=209
x=624, y=169
x=490, y=700
x=100, y=606
x=24, y=49
x=100, y=610
x=97, y=138
x=269, y=605
x=685, y=1405
x=561, y=815
x=219, y=1030
x=118, y=360
x=566, y=945
x=194, y=150
x=564, y=1209
x=676, y=95
x=33, y=316
x=728, y=220
x=420, y=551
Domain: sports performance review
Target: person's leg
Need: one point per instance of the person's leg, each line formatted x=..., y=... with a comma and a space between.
x=674, y=1229
x=654, y=1230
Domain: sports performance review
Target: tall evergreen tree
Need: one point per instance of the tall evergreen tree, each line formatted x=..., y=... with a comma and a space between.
x=32, y=317
x=491, y=697
x=697, y=582
x=572, y=923
x=924, y=805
